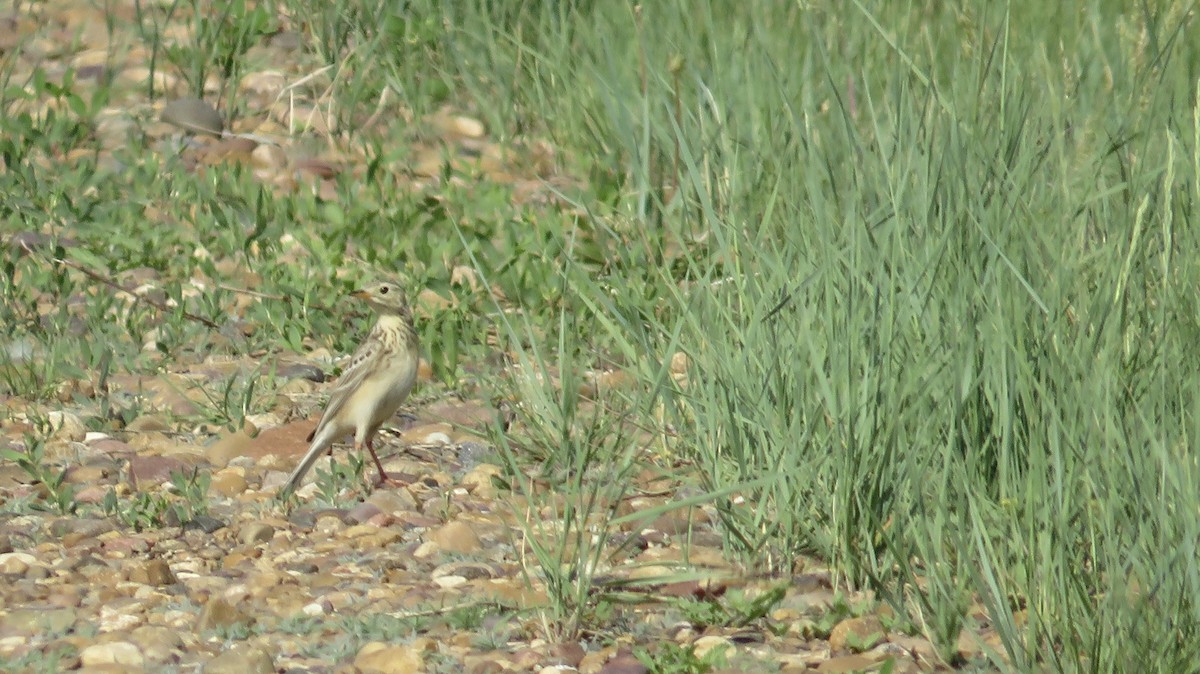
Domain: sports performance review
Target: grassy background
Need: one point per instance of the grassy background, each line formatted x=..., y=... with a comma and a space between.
x=932, y=265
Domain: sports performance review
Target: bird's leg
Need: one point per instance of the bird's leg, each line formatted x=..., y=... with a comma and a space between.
x=383, y=476
x=378, y=464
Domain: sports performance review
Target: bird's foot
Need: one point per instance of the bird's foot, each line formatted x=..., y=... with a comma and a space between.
x=386, y=481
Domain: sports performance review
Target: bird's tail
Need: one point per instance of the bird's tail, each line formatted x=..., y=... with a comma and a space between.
x=320, y=442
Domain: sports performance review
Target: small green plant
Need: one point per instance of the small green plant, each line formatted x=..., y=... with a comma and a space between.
x=191, y=487
x=221, y=33
x=42, y=662
x=343, y=479
x=735, y=609
x=59, y=496
x=668, y=657
x=142, y=511
x=838, y=611
x=186, y=499
x=235, y=397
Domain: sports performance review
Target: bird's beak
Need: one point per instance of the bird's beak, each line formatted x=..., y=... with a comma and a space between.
x=360, y=294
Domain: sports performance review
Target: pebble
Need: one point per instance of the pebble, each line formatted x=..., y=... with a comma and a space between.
x=111, y=653
x=17, y=563
x=380, y=658
x=457, y=537
x=194, y=116
x=242, y=659
x=219, y=613
x=256, y=532
x=858, y=634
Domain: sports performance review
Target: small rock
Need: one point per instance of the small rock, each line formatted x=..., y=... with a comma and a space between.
x=465, y=569
x=230, y=446
x=154, y=572
x=146, y=472
x=121, y=616
x=704, y=645
x=301, y=371
x=363, y=512
x=111, y=653
x=268, y=157
x=568, y=653
x=256, y=532
x=449, y=582
x=17, y=563
x=481, y=480
x=230, y=150
x=857, y=634
x=37, y=621
x=379, y=658
x=318, y=608
x=887, y=650
x=219, y=613
x=193, y=115
x=158, y=643
x=392, y=501
x=296, y=389
x=228, y=482
x=436, y=439
x=205, y=523
x=243, y=659
x=846, y=664
x=624, y=663
x=456, y=537
x=149, y=422
x=468, y=127
x=266, y=82
x=66, y=426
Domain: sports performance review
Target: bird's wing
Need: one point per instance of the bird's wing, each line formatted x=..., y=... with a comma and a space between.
x=363, y=363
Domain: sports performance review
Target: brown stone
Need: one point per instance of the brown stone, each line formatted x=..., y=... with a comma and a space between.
x=857, y=634
x=456, y=537
x=379, y=658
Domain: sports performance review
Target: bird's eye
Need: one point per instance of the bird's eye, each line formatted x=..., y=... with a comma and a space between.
x=384, y=290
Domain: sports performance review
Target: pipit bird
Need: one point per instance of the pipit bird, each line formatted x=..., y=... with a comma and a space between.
x=380, y=376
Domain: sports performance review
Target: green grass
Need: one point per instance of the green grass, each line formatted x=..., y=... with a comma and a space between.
x=932, y=267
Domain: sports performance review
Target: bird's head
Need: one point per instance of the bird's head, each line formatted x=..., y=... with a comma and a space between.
x=386, y=298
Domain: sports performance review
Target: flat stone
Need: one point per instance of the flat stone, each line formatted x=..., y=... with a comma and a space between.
x=111, y=653
x=289, y=440
x=17, y=563
x=206, y=523
x=457, y=537
x=159, y=644
x=379, y=658
x=193, y=115
x=228, y=482
x=858, y=634
x=706, y=644
x=256, y=532
x=31, y=621
x=154, y=572
x=624, y=663
x=846, y=664
x=149, y=422
x=150, y=471
x=301, y=371
x=219, y=613
x=228, y=447
x=242, y=659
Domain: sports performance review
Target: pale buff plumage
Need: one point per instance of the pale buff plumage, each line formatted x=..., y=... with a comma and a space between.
x=380, y=376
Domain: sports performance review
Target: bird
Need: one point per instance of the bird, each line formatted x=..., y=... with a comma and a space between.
x=380, y=376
